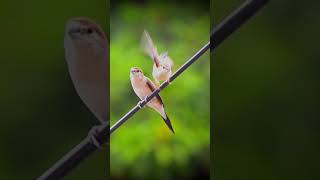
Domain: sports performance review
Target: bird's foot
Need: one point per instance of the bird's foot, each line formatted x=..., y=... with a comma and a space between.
x=168, y=81
x=142, y=101
x=145, y=99
x=139, y=104
x=95, y=140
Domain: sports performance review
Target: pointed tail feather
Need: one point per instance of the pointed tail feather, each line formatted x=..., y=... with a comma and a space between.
x=168, y=123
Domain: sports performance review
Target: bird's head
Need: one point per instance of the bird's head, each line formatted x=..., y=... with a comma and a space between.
x=84, y=34
x=136, y=72
x=166, y=62
x=164, y=56
x=165, y=67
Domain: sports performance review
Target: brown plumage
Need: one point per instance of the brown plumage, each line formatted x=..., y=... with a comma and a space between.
x=143, y=87
x=87, y=56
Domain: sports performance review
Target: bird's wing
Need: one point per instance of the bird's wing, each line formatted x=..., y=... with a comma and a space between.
x=152, y=88
x=149, y=48
x=164, y=116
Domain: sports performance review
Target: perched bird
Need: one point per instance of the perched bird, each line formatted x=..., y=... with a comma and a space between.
x=87, y=56
x=162, y=63
x=143, y=87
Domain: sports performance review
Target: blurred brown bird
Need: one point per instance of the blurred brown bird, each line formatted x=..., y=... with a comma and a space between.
x=87, y=56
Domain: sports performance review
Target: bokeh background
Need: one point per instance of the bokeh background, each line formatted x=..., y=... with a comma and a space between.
x=41, y=115
x=144, y=148
x=266, y=94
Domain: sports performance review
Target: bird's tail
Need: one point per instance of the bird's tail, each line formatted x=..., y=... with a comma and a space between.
x=168, y=123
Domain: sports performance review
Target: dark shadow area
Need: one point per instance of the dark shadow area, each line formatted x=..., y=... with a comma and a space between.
x=265, y=118
x=41, y=115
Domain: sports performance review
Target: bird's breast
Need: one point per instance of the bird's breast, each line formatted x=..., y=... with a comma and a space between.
x=160, y=74
x=140, y=88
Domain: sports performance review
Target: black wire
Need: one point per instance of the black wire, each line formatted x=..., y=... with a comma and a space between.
x=238, y=17
x=99, y=135
x=218, y=35
x=135, y=109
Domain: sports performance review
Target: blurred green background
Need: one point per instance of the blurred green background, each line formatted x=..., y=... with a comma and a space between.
x=264, y=81
x=144, y=148
x=266, y=94
x=41, y=115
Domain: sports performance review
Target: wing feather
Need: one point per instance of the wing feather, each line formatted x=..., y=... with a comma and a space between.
x=149, y=48
x=152, y=88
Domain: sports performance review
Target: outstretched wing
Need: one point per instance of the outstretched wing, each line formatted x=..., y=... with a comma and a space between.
x=149, y=48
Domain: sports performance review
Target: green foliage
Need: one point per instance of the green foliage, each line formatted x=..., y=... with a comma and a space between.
x=144, y=147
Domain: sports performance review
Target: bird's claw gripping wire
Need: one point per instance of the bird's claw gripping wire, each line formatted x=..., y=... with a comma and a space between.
x=168, y=81
x=142, y=101
x=94, y=139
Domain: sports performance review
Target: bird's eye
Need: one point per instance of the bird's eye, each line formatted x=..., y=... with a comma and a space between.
x=90, y=31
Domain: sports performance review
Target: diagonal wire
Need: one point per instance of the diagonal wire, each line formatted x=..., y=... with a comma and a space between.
x=99, y=135
x=231, y=23
x=219, y=34
x=135, y=109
